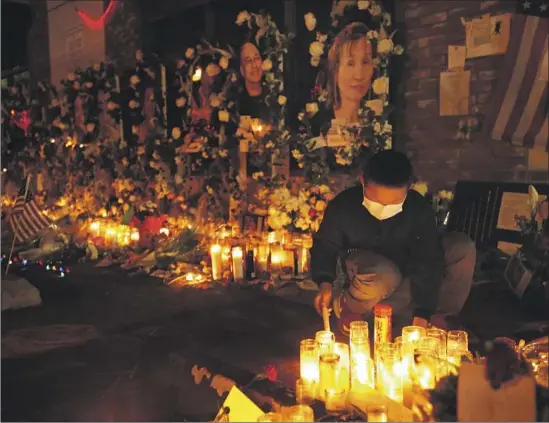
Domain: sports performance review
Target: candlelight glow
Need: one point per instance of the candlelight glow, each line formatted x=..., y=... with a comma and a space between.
x=164, y=231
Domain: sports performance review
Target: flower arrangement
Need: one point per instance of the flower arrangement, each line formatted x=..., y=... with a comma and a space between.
x=373, y=130
x=535, y=231
x=300, y=212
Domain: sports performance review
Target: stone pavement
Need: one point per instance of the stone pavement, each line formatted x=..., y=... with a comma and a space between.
x=150, y=337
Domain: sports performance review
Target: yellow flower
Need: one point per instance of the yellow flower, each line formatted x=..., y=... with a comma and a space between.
x=320, y=205
x=310, y=21
x=134, y=80
x=311, y=108
x=381, y=85
x=180, y=102
x=215, y=101
x=213, y=70
x=133, y=104
x=189, y=53
x=420, y=187
x=223, y=116
x=224, y=62
x=363, y=4
x=282, y=100
x=176, y=133
x=316, y=49
x=267, y=65
x=385, y=46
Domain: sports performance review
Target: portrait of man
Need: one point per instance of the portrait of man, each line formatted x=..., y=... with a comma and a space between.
x=252, y=98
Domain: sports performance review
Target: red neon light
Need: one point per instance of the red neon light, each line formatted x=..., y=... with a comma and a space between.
x=97, y=24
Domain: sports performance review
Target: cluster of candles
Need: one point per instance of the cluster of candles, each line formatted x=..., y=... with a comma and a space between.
x=330, y=370
x=271, y=253
x=114, y=234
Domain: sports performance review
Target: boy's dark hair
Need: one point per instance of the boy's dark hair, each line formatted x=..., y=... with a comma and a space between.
x=389, y=168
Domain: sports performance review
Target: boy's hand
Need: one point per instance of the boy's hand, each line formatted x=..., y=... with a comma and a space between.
x=323, y=297
x=420, y=321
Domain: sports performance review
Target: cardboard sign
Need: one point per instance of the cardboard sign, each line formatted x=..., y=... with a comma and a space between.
x=515, y=401
x=238, y=408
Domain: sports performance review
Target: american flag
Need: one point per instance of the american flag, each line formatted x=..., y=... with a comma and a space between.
x=519, y=111
x=26, y=219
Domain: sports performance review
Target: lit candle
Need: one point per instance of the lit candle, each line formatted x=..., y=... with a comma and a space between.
x=262, y=259
x=302, y=260
x=389, y=372
x=411, y=335
x=342, y=350
x=238, y=263
x=457, y=340
x=134, y=236
x=226, y=257
x=276, y=257
x=305, y=391
x=299, y=413
x=362, y=369
x=325, y=340
x=217, y=263
x=425, y=370
x=329, y=364
x=308, y=360
x=95, y=228
x=288, y=261
x=336, y=399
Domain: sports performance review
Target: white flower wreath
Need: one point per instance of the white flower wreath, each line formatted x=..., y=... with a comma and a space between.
x=372, y=131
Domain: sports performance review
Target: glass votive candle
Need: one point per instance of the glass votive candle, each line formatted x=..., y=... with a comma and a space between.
x=305, y=391
x=358, y=330
x=425, y=368
x=362, y=367
x=325, y=340
x=377, y=413
x=342, y=350
x=309, y=360
x=456, y=356
x=389, y=374
x=271, y=417
x=412, y=334
x=299, y=413
x=457, y=340
x=335, y=400
x=440, y=336
x=430, y=344
x=329, y=364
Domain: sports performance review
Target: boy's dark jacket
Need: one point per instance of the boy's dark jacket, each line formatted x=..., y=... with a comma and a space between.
x=410, y=239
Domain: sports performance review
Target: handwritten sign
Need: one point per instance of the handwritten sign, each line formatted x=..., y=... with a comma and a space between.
x=454, y=93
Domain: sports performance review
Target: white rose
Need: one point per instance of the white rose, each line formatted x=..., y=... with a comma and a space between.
x=267, y=65
x=223, y=116
x=363, y=4
x=316, y=49
x=381, y=85
x=176, y=133
x=180, y=102
x=315, y=61
x=242, y=17
x=215, y=101
x=282, y=100
x=189, y=53
x=310, y=21
x=224, y=63
x=311, y=108
x=375, y=10
x=134, y=80
x=213, y=70
x=385, y=46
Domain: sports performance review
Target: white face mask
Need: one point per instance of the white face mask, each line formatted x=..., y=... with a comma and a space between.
x=381, y=212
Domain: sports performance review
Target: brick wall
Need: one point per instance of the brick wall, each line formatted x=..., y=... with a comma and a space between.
x=38, y=42
x=428, y=28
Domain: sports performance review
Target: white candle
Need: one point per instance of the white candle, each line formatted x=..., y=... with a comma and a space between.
x=276, y=258
x=238, y=264
x=217, y=264
x=302, y=260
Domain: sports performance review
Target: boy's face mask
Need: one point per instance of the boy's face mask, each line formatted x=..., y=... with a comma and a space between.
x=381, y=212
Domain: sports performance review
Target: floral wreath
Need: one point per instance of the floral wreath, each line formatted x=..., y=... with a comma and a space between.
x=272, y=45
x=373, y=131
x=207, y=120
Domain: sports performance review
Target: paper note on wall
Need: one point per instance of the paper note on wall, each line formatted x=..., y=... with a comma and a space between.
x=454, y=93
x=456, y=57
x=487, y=35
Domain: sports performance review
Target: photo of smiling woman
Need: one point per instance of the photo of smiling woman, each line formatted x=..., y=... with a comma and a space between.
x=350, y=70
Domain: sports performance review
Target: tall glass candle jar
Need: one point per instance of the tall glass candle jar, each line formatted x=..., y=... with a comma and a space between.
x=309, y=360
x=342, y=350
x=238, y=263
x=382, y=326
x=389, y=374
x=277, y=255
x=299, y=413
x=262, y=259
x=362, y=367
x=329, y=364
x=217, y=263
x=426, y=368
x=377, y=413
x=305, y=391
x=411, y=335
x=336, y=400
x=457, y=340
x=325, y=340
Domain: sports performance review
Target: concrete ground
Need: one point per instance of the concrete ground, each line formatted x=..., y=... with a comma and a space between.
x=146, y=338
